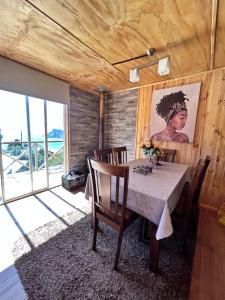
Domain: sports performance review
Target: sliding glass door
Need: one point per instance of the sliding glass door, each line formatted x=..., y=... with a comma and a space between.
x=55, y=142
x=32, y=145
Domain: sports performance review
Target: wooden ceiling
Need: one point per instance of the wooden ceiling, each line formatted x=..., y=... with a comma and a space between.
x=78, y=41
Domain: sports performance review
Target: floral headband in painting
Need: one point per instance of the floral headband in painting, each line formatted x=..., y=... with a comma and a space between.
x=177, y=107
x=171, y=104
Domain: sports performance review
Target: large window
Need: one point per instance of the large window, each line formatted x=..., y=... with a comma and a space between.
x=32, y=151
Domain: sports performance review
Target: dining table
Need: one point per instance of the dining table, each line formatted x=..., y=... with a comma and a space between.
x=154, y=196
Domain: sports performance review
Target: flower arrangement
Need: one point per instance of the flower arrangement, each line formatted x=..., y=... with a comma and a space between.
x=150, y=150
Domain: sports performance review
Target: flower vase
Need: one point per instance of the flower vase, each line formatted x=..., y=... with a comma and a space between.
x=149, y=163
x=154, y=159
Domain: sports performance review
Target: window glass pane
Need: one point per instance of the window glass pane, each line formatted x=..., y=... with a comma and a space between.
x=37, y=130
x=15, y=152
x=55, y=129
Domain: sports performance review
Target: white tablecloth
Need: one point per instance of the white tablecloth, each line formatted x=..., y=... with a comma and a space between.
x=155, y=195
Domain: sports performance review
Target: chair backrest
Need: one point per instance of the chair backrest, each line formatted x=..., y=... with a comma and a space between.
x=168, y=155
x=108, y=183
x=104, y=155
x=192, y=189
x=201, y=170
x=120, y=155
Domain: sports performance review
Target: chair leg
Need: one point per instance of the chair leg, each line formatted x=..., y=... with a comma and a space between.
x=118, y=249
x=146, y=229
x=141, y=229
x=92, y=222
x=186, y=233
x=154, y=247
x=184, y=239
x=195, y=216
x=92, y=214
x=95, y=228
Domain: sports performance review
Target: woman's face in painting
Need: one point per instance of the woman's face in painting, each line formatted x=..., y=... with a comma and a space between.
x=179, y=120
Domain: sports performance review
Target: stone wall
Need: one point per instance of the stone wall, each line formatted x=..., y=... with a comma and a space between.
x=120, y=121
x=84, y=119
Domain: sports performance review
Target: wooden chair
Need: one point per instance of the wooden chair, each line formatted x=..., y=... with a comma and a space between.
x=185, y=213
x=104, y=155
x=119, y=155
x=168, y=155
x=195, y=204
x=106, y=209
x=201, y=171
x=187, y=209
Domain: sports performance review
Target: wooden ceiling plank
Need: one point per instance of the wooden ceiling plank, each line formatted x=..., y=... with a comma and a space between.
x=119, y=30
x=213, y=32
x=78, y=41
x=34, y=40
x=64, y=28
x=219, y=60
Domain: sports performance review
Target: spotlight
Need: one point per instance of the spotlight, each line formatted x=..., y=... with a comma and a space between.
x=134, y=75
x=163, y=66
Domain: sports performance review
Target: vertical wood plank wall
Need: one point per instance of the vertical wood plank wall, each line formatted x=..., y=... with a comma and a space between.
x=209, y=132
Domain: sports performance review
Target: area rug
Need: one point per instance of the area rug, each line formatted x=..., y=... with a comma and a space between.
x=61, y=265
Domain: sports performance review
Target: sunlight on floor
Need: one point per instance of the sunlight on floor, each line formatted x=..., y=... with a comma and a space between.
x=23, y=216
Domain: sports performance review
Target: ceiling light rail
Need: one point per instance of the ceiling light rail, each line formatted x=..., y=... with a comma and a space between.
x=149, y=52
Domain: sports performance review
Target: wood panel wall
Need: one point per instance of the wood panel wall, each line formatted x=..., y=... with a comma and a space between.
x=209, y=133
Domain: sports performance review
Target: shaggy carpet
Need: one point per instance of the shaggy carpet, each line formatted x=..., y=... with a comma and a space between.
x=55, y=262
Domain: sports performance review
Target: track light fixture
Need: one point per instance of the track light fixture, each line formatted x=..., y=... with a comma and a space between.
x=163, y=65
x=163, y=68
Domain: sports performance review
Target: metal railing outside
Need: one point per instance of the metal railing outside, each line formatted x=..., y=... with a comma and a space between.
x=20, y=162
x=15, y=156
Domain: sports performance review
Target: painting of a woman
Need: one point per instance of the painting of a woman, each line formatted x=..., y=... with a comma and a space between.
x=174, y=112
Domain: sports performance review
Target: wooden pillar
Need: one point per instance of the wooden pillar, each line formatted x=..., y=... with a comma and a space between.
x=101, y=118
